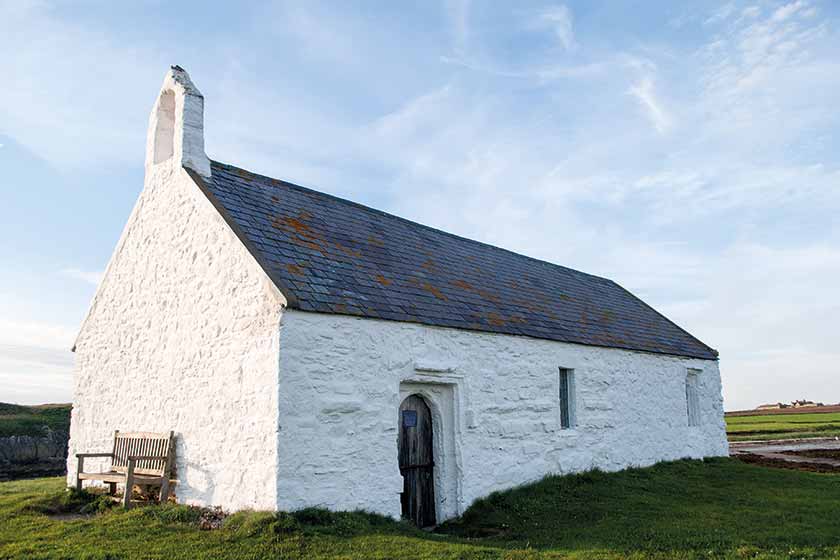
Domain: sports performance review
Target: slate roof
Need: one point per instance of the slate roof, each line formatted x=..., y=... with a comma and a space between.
x=331, y=255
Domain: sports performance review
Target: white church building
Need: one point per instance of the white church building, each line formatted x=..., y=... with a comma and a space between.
x=310, y=351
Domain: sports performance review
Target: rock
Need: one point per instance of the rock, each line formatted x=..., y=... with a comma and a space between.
x=31, y=456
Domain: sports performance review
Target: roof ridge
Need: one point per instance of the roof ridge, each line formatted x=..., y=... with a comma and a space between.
x=412, y=222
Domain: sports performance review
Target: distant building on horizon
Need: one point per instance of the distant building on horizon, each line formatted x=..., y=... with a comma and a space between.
x=793, y=404
x=771, y=406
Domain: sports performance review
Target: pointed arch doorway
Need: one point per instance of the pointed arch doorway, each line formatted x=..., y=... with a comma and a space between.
x=417, y=464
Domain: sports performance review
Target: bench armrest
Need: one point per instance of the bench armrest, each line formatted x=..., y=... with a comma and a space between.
x=78, y=455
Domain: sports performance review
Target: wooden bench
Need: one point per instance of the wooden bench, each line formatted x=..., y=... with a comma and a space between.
x=138, y=458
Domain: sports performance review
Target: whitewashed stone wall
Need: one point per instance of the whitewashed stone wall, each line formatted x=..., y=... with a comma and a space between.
x=183, y=335
x=342, y=380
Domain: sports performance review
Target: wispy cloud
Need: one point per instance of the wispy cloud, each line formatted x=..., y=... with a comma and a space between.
x=751, y=11
x=559, y=20
x=785, y=12
x=721, y=14
x=36, y=364
x=96, y=124
x=645, y=94
x=89, y=276
x=25, y=354
x=459, y=17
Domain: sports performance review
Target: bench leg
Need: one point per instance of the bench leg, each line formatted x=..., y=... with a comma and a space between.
x=164, y=490
x=112, y=488
x=129, y=485
x=79, y=470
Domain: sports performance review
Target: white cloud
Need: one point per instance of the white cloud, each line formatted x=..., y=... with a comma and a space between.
x=751, y=11
x=36, y=355
x=786, y=11
x=644, y=92
x=36, y=364
x=89, y=276
x=721, y=14
x=559, y=20
x=459, y=16
x=33, y=382
x=32, y=334
x=775, y=334
x=100, y=99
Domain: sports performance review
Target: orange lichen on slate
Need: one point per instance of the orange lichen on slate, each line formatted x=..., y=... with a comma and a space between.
x=382, y=280
x=375, y=241
x=429, y=265
x=488, y=296
x=470, y=288
x=349, y=252
x=495, y=319
x=584, y=317
x=297, y=225
x=464, y=285
x=434, y=291
x=294, y=269
x=304, y=236
x=530, y=305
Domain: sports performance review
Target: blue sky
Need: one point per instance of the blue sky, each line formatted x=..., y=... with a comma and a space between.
x=687, y=150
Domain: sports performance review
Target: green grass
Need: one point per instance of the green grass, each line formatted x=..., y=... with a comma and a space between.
x=687, y=509
x=18, y=420
x=783, y=426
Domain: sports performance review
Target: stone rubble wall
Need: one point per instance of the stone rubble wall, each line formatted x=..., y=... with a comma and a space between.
x=31, y=456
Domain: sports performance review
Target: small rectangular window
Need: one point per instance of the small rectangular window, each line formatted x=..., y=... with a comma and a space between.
x=692, y=398
x=567, y=400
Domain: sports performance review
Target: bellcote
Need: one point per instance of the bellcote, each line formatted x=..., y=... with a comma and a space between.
x=176, y=125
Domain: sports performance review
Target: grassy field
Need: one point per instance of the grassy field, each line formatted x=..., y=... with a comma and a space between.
x=17, y=420
x=686, y=509
x=783, y=426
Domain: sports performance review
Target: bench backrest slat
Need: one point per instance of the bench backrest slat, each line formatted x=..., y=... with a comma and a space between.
x=128, y=444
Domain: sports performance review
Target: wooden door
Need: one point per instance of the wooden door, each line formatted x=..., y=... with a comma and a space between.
x=417, y=464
